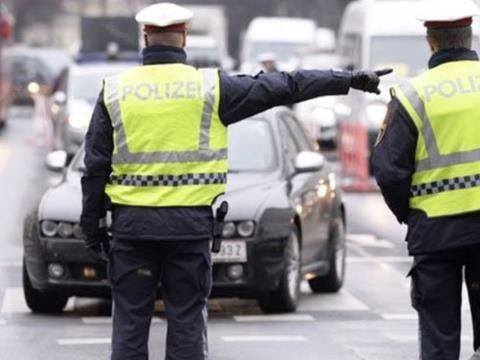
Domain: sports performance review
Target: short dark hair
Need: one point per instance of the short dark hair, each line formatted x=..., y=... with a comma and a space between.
x=451, y=38
x=166, y=38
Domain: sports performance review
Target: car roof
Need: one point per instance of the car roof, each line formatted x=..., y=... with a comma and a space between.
x=101, y=67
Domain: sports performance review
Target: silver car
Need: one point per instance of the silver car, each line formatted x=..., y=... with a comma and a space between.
x=74, y=99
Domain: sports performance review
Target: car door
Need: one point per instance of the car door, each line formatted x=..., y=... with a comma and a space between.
x=308, y=192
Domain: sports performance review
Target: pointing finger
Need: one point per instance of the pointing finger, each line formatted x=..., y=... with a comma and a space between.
x=383, y=72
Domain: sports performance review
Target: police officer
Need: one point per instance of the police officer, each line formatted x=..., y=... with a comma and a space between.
x=268, y=62
x=156, y=155
x=427, y=164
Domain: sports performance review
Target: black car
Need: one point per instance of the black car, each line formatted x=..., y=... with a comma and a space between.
x=286, y=223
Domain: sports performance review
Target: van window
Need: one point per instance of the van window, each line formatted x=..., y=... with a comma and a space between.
x=351, y=51
x=407, y=55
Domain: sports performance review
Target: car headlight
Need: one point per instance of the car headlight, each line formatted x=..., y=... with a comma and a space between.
x=65, y=230
x=246, y=228
x=376, y=114
x=78, y=232
x=229, y=230
x=49, y=228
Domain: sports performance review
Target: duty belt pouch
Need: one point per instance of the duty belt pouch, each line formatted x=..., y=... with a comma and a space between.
x=218, y=227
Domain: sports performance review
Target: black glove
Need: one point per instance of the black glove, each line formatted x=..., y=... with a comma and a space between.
x=98, y=246
x=368, y=80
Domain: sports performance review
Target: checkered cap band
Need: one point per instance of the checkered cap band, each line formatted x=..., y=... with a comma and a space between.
x=169, y=180
x=457, y=183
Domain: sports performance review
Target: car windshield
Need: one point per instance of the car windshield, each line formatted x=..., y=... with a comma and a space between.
x=251, y=148
x=203, y=52
x=88, y=84
x=407, y=55
x=282, y=50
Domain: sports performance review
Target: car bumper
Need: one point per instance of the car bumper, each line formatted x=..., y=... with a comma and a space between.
x=261, y=272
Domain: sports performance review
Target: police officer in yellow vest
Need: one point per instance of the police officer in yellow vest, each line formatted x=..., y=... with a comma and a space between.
x=156, y=155
x=427, y=164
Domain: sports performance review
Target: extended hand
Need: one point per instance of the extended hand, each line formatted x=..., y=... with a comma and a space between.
x=98, y=246
x=368, y=80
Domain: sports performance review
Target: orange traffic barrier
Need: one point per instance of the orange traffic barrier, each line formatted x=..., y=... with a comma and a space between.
x=354, y=157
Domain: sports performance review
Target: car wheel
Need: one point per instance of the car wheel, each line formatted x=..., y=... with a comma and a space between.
x=41, y=302
x=333, y=280
x=285, y=298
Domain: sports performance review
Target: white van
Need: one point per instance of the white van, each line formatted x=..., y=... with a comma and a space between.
x=375, y=34
x=280, y=36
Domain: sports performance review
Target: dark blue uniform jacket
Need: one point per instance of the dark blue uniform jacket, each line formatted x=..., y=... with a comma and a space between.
x=393, y=165
x=241, y=97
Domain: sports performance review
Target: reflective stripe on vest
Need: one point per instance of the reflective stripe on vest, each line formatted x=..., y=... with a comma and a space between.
x=170, y=146
x=435, y=160
x=443, y=104
x=203, y=154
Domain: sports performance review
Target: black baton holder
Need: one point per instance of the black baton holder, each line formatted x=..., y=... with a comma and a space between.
x=218, y=227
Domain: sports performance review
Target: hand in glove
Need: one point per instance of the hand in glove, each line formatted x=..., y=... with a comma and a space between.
x=98, y=246
x=368, y=80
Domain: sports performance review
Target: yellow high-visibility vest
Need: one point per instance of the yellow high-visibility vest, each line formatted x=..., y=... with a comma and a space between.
x=444, y=104
x=170, y=146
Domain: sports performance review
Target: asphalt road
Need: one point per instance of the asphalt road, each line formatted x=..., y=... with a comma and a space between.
x=370, y=319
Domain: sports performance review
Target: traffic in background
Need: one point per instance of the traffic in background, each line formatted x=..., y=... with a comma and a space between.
x=303, y=265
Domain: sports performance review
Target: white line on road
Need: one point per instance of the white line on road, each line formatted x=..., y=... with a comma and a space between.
x=273, y=318
x=264, y=339
x=383, y=259
x=406, y=316
x=7, y=264
x=103, y=320
x=369, y=240
x=94, y=341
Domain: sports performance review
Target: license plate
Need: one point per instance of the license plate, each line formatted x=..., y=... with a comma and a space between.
x=231, y=251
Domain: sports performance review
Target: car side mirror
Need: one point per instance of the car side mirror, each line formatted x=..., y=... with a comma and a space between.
x=59, y=98
x=56, y=161
x=309, y=161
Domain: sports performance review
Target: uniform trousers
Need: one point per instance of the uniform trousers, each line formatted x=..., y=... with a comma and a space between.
x=437, y=280
x=184, y=270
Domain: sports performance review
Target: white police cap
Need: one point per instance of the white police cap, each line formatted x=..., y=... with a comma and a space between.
x=446, y=11
x=266, y=56
x=163, y=15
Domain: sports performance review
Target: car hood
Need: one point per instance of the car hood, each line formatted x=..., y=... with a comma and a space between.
x=248, y=193
x=62, y=203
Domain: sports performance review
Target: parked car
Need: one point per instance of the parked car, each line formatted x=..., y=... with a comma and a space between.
x=75, y=95
x=34, y=69
x=286, y=223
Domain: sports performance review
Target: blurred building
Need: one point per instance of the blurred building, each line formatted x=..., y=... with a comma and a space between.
x=63, y=30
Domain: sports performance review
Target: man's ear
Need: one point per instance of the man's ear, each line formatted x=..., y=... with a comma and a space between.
x=431, y=45
x=184, y=44
x=145, y=38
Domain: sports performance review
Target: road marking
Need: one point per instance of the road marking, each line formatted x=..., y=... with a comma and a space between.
x=8, y=264
x=406, y=316
x=414, y=338
x=341, y=301
x=264, y=339
x=381, y=259
x=274, y=318
x=93, y=341
x=369, y=240
x=14, y=302
x=104, y=320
